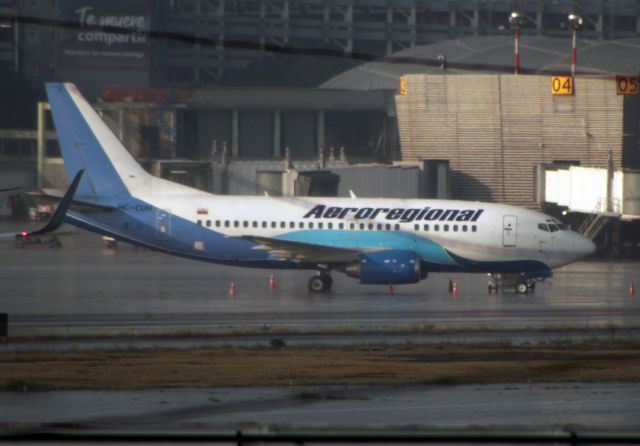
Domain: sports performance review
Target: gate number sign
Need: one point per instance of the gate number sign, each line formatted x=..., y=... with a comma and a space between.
x=561, y=85
x=626, y=85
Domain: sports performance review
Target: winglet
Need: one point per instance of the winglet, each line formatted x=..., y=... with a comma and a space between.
x=57, y=218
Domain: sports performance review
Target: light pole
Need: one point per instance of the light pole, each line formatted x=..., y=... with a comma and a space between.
x=516, y=20
x=575, y=24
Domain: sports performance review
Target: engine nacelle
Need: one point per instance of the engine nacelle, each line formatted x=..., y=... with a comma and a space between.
x=392, y=266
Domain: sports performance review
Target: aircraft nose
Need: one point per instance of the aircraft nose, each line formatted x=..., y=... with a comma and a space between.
x=583, y=246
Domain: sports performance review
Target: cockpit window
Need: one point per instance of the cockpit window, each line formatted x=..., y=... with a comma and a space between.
x=552, y=226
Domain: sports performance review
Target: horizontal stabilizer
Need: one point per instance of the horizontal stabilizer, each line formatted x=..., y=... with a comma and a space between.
x=76, y=204
x=11, y=189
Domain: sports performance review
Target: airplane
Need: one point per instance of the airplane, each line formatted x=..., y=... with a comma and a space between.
x=377, y=241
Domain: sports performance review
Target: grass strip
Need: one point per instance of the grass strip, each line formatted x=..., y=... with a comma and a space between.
x=215, y=367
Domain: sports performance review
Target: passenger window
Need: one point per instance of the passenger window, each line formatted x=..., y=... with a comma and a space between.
x=199, y=222
x=217, y=223
x=474, y=228
x=543, y=227
x=446, y=228
x=416, y=227
x=245, y=224
x=455, y=228
x=208, y=223
x=352, y=225
x=426, y=227
x=341, y=225
x=387, y=227
x=274, y=224
x=255, y=224
x=361, y=226
x=464, y=228
x=436, y=227
x=320, y=225
x=236, y=224
x=379, y=226
x=370, y=226
x=310, y=225
x=301, y=225
x=292, y=225
x=264, y=224
x=283, y=224
x=330, y=225
x=397, y=227
x=227, y=223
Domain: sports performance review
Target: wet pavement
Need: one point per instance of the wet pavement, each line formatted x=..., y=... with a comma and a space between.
x=85, y=289
x=578, y=405
x=85, y=294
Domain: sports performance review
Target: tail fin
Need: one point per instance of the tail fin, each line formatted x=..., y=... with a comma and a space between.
x=88, y=144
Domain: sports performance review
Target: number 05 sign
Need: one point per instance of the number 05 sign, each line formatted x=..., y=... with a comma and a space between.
x=561, y=85
x=626, y=85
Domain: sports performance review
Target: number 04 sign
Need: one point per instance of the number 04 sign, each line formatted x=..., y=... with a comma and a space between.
x=561, y=85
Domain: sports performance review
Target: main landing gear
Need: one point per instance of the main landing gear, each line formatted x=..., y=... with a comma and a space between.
x=522, y=285
x=320, y=282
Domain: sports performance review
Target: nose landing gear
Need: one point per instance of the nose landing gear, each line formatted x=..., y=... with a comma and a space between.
x=521, y=284
x=525, y=287
x=321, y=282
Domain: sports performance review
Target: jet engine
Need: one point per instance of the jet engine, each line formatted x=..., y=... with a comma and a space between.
x=391, y=266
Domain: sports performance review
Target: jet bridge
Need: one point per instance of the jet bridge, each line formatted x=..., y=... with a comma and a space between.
x=602, y=193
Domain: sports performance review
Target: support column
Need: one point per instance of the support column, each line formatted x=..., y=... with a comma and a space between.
x=173, y=115
x=320, y=131
x=412, y=23
x=42, y=106
x=277, y=137
x=390, y=36
x=235, y=133
x=121, y=126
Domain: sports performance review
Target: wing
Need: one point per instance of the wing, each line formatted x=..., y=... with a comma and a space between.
x=300, y=251
x=56, y=219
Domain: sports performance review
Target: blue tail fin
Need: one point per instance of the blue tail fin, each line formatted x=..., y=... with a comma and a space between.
x=88, y=144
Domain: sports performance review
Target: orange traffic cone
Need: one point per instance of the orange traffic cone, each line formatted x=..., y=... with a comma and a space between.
x=454, y=289
x=272, y=281
x=232, y=289
x=632, y=289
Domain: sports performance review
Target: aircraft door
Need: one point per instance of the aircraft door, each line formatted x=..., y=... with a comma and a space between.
x=509, y=230
x=163, y=224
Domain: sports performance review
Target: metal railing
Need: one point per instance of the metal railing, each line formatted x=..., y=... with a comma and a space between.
x=593, y=224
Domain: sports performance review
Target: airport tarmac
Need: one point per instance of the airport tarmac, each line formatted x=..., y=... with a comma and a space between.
x=85, y=289
x=85, y=296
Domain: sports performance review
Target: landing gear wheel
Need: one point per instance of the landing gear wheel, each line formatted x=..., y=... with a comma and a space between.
x=320, y=283
x=521, y=288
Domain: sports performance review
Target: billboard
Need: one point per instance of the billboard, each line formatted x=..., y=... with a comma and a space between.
x=100, y=34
